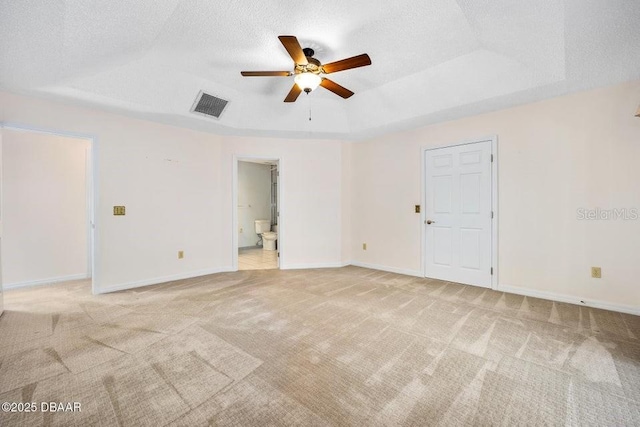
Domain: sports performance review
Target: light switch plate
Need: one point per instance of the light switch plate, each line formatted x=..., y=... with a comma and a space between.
x=118, y=210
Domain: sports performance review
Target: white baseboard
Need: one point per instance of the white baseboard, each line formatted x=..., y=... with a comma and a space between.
x=314, y=265
x=192, y=274
x=404, y=271
x=164, y=279
x=569, y=299
x=552, y=296
x=43, y=282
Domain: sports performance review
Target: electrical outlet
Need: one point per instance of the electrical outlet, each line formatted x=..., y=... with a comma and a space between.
x=364, y=246
x=180, y=254
x=596, y=272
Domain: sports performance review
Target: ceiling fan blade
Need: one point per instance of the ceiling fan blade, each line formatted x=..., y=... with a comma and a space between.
x=347, y=64
x=336, y=88
x=295, y=50
x=266, y=73
x=293, y=93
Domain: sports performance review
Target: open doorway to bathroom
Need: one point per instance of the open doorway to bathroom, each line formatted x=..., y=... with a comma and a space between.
x=257, y=213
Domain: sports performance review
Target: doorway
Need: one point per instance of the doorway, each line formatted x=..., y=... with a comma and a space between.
x=47, y=190
x=256, y=214
x=460, y=215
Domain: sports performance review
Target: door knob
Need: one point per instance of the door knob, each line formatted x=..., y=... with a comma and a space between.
x=429, y=222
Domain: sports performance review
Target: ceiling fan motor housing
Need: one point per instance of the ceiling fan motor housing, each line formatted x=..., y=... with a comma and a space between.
x=312, y=66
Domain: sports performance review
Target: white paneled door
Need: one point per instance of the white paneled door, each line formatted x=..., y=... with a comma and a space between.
x=458, y=217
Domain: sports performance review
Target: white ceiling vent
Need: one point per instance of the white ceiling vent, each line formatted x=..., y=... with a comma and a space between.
x=209, y=105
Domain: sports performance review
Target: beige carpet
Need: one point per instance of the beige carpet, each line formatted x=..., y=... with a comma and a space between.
x=346, y=346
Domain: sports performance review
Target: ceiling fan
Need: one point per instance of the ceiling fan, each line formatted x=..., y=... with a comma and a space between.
x=308, y=71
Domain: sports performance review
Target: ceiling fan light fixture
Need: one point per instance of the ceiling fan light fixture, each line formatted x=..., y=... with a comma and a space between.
x=307, y=81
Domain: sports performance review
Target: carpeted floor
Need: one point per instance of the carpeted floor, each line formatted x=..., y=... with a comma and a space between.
x=347, y=346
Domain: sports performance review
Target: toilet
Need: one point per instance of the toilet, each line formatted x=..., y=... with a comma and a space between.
x=263, y=229
x=269, y=239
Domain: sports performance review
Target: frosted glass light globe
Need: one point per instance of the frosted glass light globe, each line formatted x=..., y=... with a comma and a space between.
x=307, y=81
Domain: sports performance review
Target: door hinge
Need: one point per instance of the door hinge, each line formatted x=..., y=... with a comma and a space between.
x=492, y=158
x=491, y=214
x=492, y=271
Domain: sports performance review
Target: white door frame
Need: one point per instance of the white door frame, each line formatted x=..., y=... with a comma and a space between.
x=234, y=191
x=92, y=189
x=494, y=203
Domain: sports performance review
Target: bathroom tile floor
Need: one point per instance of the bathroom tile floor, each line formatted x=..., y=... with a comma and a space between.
x=257, y=259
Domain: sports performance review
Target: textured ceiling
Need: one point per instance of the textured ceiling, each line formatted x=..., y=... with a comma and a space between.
x=432, y=60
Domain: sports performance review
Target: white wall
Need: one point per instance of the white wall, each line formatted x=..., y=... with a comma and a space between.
x=45, y=208
x=555, y=156
x=346, y=194
x=176, y=185
x=254, y=200
x=1, y=228
x=310, y=225
x=168, y=178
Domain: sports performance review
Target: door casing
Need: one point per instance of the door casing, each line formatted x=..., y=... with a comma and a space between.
x=494, y=203
x=234, y=191
x=92, y=190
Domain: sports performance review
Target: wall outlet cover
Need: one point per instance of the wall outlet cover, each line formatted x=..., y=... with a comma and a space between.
x=596, y=272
